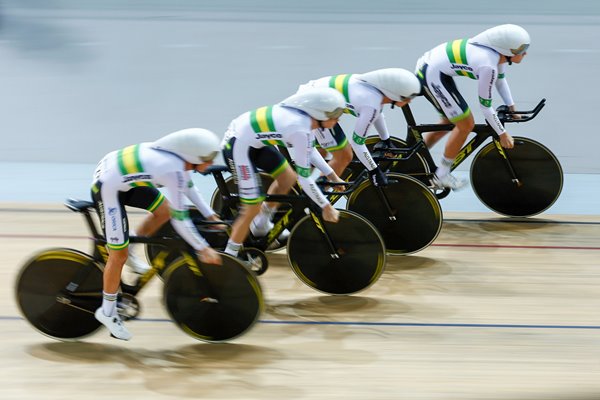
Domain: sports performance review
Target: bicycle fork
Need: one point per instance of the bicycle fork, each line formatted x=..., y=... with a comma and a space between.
x=507, y=163
x=386, y=203
x=333, y=252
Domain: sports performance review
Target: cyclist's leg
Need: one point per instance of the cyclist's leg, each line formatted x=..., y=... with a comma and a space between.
x=274, y=163
x=245, y=174
x=117, y=240
x=441, y=91
x=152, y=200
x=241, y=227
x=431, y=138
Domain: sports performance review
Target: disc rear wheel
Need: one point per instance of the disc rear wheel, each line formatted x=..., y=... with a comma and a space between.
x=45, y=302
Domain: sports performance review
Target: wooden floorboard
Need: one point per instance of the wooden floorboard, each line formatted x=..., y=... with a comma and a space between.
x=494, y=309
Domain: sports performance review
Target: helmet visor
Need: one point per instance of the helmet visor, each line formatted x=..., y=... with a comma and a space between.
x=209, y=157
x=405, y=98
x=335, y=114
x=522, y=49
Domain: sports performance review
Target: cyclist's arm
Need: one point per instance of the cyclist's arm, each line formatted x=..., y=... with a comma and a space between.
x=381, y=127
x=302, y=146
x=319, y=162
x=183, y=225
x=502, y=86
x=192, y=193
x=487, y=79
x=367, y=115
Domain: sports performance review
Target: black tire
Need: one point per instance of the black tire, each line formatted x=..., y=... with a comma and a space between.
x=417, y=210
x=415, y=166
x=216, y=202
x=40, y=293
x=537, y=169
x=359, y=245
x=190, y=290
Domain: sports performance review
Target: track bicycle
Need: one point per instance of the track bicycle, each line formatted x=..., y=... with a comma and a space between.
x=406, y=213
x=335, y=258
x=519, y=182
x=58, y=290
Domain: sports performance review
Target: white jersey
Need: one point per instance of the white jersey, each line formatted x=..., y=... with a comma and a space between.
x=462, y=58
x=142, y=165
x=278, y=126
x=365, y=103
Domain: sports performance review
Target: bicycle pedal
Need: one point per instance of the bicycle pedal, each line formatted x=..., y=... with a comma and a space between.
x=209, y=300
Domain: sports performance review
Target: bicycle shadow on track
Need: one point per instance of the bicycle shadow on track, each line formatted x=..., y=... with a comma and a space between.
x=321, y=305
x=194, y=368
x=518, y=230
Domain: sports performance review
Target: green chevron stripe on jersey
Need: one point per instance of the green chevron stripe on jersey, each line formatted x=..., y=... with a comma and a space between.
x=340, y=83
x=129, y=163
x=457, y=54
x=262, y=120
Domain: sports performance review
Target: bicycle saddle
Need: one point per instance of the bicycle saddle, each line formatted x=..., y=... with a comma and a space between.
x=79, y=205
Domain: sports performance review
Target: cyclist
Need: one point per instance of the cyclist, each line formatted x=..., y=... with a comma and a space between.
x=483, y=57
x=365, y=95
x=249, y=144
x=129, y=177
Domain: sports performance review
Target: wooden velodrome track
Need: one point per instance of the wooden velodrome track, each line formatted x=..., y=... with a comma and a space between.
x=495, y=309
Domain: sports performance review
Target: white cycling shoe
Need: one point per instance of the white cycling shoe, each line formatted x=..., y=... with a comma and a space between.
x=114, y=325
x=448, y=181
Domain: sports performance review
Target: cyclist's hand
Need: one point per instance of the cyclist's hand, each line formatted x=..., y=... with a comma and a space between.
x=507, y=141
x=334, y=178
x=216, y=227
x=210, y=256
x=377, y=177
x=514, y=116
x=330, y=214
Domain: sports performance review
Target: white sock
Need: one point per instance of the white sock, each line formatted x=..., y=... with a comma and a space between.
x=109, y=304
x=444, y=168
x=265, y=215
x=233, y=248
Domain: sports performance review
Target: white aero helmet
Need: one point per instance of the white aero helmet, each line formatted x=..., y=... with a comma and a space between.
x=194, y=145
x=395, y=83
x=508, y=40
x=320, y=103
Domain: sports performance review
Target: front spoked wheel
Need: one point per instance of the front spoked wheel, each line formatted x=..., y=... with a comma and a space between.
x=417, y=213
x=58, y=292
x=539, y=173
x=212, y=303
x=357, y=259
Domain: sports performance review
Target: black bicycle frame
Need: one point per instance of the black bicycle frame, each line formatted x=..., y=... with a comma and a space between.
x=299, y=203
x=100, y=254
x=482, y=132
